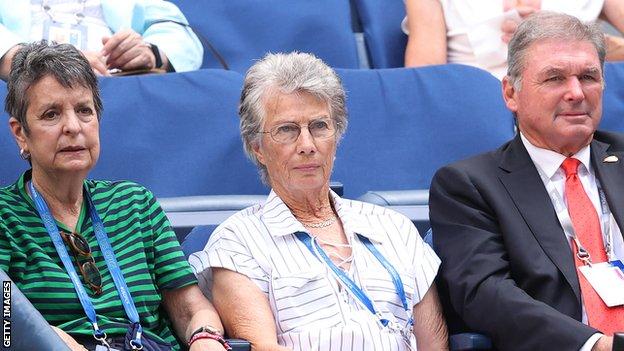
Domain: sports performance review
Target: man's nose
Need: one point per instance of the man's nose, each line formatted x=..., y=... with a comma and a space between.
x=574, y=90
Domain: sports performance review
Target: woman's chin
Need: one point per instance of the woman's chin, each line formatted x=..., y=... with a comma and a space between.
x=77, y=166
x=311, y=185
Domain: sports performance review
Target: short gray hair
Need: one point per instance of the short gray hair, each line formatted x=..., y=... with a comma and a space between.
x=37, y=60
x=286, y=74
x=549, y=25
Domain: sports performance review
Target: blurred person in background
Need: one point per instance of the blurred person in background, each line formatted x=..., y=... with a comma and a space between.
x=476, y=32
x=113, y=35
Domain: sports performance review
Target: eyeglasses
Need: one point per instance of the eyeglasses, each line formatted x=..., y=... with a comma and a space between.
x=80, y=247
x=289, y=132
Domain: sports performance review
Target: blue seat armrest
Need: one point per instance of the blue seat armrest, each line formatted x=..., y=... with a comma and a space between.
x=397, y=197
x=469, y=341
x=239, y=345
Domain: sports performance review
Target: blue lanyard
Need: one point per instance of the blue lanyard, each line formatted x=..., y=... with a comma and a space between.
x=109, y=256
x=313, y=246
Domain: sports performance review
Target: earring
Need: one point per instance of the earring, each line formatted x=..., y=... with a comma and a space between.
x=25, y=155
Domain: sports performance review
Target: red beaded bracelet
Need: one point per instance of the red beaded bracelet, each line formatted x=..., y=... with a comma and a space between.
x=207, y=335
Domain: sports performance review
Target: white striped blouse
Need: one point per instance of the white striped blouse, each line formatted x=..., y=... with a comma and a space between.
x=311, y=310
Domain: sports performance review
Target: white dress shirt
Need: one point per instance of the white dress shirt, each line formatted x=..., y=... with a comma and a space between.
x=549, y=163
x=311, y=310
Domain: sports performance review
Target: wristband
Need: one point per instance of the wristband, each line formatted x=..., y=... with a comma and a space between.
x=618, y=342
x=207, y=335
x=156, y=52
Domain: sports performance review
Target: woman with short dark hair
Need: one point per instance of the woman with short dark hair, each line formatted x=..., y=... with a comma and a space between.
x=97, y=258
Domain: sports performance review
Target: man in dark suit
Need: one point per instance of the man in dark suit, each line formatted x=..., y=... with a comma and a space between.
x=504, y=222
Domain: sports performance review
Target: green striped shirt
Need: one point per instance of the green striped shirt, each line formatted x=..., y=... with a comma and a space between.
x=138, y=230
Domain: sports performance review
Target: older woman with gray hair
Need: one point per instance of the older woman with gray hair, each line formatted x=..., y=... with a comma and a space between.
x=308, y=270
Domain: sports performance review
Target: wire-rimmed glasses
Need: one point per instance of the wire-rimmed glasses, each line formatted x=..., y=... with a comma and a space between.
x=286, y=133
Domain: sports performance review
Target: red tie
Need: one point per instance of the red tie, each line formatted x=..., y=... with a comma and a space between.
x=587, y=228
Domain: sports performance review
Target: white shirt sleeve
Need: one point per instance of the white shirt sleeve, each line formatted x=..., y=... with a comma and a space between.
x=226, y=249
x=9, y=40
x=585, y=10
x=589, y=344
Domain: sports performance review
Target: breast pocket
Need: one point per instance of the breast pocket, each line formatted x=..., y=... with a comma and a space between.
x=381, y=290
x=304, y=300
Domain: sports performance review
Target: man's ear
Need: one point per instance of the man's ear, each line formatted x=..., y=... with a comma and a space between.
x=510, y=94
x=19, y=133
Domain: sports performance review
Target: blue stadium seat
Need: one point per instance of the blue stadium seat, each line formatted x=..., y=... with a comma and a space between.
x=397, y=198
x=613, y=100
x=198, y=237
x=176, y=134
x=12, y=165
x=404, y=124
x=385, y=41
x=243, y=31
x=412, y=203
x=187, y=212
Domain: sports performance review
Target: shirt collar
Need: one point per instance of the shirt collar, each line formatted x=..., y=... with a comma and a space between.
x=549, y=162
x=280, y=221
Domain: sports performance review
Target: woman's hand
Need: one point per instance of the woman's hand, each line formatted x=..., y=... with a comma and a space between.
x=71, y=342
x=615, y=48
x=189, y=310
x=525, y=8
x=97, y=62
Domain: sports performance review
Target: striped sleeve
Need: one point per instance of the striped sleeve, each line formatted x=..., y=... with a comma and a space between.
x=170, y=266
x=5, y=249
x=226, y=249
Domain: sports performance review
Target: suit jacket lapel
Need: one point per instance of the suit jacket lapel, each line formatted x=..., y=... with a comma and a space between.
x=610, y=176
x=526, y=189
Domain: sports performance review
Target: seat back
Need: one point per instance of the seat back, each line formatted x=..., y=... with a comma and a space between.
x=244, y=31
x=197, y=238
x=187, y=212
x=11, y=164
x=404, y=124
x=385, y=41
x=412, y=203
x=176, y=134
x=613, y=99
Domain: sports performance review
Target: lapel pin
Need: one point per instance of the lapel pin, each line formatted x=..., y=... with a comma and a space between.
x=610, y=159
